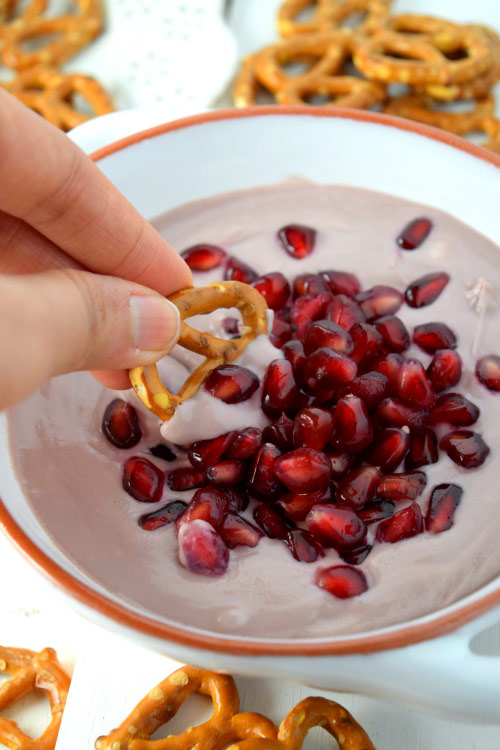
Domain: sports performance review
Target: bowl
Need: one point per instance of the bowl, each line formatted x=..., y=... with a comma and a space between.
x=426, y=661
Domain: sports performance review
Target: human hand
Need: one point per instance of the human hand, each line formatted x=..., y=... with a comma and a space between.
x=81, y=272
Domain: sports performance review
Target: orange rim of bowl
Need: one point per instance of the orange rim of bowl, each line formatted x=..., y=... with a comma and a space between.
x=397, y=636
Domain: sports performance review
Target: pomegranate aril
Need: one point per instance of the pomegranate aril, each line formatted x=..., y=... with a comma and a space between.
x=414, y=233
x=425, y=290
x=379, y=301
x=353, y=429
x=444, y=501
x=309, y=283
x=163, y=516
x=326, y=333
x=280, y=433
x=312, y=428
x=208, y=505
x=293, y=351
x=342, y=581
x=274, y=288
x=201, y=550
x=367, y=342
x=356, y=555
x=305, y=310
x=303, y=545
x=344, y=311
x=246, y=444
x=279, y=389
x=404, y=524
x=184, y=479
x=163, y=452
x=120, y=424
x=238, y=499
x=433, y=336
x=389, y=366
x=261, y=482
x=341, y=282
x=236, y=531
x=236, y=270
x=281, y=332
x=231, y=326
x=143, y=480
x=325, y=369
x=423, y=449
x=272, y=521
x=296, y=507
x=297, y=239
x=232, y=383
x=453, y=408
x=465, y=448
x=394, y=333
x=445, y=370
x=342, y=463
x=402, y=486
x=488, y=371
x=303, y=470
x=413, y=386
x=371, y=387
x=390, y=446
x=376, y=510
x=228, y=473
x=335, y=527
x=204, y=257
x=204, y=453
x=358, y=487
x=397, y=414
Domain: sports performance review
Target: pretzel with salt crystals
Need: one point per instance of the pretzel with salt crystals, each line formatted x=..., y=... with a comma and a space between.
x=200, y=301
x=328, y=15
x=32, y=671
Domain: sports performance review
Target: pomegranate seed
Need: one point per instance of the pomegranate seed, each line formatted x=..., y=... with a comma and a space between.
x=204, y=257
x=226, y=473
x=246, y=444
x=356, y=555
x=262, y=482
x=236, y=270
x=367, y=342
x=389, y=447
x=413, y=386
x=293, y=351
x=335, y=527
x=380, y=301
x=274, y=288
x=445, y=370
x=488, y=371
x=465, y=448
x=325, y=369
x=371, y=387
x=280, y=433
x=389, y=366
x=163, y=451
x=201, y=550
x=393, y=331
x=181, y=480
x=312, y=428
x=414, y=234
x=403, y=524
x=281, y=332
x=163, y=516
x=376, y=511
x=453, y=408
x=297, y=239
x=344, y=311
x=353, y=429
x=358, y=487
x=279, y=389
x=296, y=507
x=143, y=480
x=231, y=326
x=232, y=383
x=309, y=283
x=238, y=500
x=323, y=333
x=425, y=290
x=397, y=414
x=303, y=470
x=402, y=486
x=236, y=531
x=445, y=499
x=433, y=336
x=208, y=505
x=342, y=463
x=303, y=546
x=341, y=282
x=307, y=309
x=423, y=450
x=342, y=581
x=272, y=521
x=120, y=424
x=203, y=453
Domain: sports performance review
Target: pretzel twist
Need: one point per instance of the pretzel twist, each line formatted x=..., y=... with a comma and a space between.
x=9, y=11
x=32, y=671
x=419, y=108
x=328, y=15
x=344, y=91
x=200, y=301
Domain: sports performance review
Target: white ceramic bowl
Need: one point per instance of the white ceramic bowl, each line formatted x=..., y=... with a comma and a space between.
x=427, y=661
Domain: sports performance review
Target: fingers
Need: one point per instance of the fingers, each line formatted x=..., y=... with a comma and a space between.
x=50, y=184
x=24, y=250
x=65, y=320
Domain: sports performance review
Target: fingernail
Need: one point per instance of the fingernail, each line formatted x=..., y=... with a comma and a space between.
x=155, y=322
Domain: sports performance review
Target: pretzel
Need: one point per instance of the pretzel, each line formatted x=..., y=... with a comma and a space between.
x=31, y=671
x=418, y=107
x=9, y=11
x=200, y=301
x=345, y=91
x=329, y=15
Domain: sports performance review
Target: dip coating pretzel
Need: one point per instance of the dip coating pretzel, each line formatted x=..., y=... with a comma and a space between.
x=345, y=91
x=199, y=301
x=328, y=15
x=418, y=107
x=31, y=671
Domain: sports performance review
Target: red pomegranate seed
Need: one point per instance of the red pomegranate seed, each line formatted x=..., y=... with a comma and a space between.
x=402, y=486
x=143, y=480
x=376, y=511
x=341, y=282
x=280, y=433
x=433, y=336
x=380, y=301
x=413, y=386
x=397, y=414
x=238, y=499
x=393, y=331
x=163, y=516
x=262, y=482
x=204, y=453
x=335, y=527
x=325, y=369
x=305, y=310
x=425, y=290
x=423, y=450
x=344, y=311
x=367, y=342
x=488, y=371
x=274, y=288
x=414, y=233
x=236, y=531
x=181, y=480
x=323, y=333
x=465, y=448
x=228, y=473
x=204, y=257
x=201, y=550
x=453, y=408
x=208, y=505
x=356, y=555
x=236, y=270
x=279, y=389
x=389, y=366
x=303, y=470
x=353, y=429
x=297, y=239
x=342, y=463
x=296, y=507
x=120, y=424
x=390, y=445
x=245, y=445
x=445, y=370
x=371, y=387
x=403, y=524
x=272, y=521
x=282, y=332
x=342, y=581
x=163, y=452
x=358, y=487
x=293, y=351
x=309, y=283
x=303, y=546
x=231, y=326
x=312, y=428
x=232, y=383
x=445, y=499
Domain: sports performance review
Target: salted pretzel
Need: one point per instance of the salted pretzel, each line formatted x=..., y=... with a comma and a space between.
x=419, y=108
x=328, y=15
x=32, y=671
x=343, y=91
x=200, y=301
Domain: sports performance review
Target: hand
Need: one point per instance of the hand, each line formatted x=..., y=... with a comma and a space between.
x=81, y=272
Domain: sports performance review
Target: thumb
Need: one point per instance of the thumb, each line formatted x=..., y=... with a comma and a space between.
x=65, y=320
